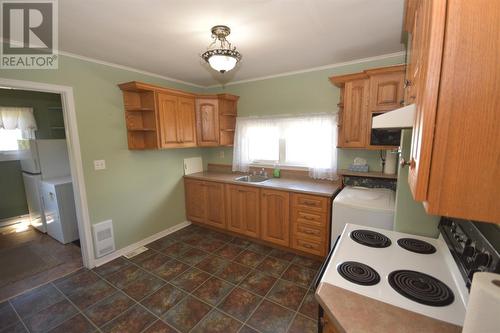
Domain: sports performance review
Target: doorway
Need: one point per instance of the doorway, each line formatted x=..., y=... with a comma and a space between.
x=47, y=242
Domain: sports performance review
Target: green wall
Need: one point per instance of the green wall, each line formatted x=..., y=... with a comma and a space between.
x=48, y=115
x=141, y=191
x=410, y=215
x=303, y=93
x=12, y=196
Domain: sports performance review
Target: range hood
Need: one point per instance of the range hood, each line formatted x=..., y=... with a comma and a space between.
x=399, y=118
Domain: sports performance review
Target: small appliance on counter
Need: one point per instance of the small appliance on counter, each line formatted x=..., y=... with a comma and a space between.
x=423, y=275
x=59, y=209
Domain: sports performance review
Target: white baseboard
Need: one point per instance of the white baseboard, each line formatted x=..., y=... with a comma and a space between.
x=118, y=253
x=13, y=220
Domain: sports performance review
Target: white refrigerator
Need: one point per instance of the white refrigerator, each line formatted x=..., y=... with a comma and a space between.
x=42, y=160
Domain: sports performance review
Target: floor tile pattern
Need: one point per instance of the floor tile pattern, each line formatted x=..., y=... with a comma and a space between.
x=194, y=280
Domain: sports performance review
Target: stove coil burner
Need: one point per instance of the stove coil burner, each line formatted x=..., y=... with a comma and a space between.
x=370, y=238
x=421, y=288
x=358, y=273
x=416, y=245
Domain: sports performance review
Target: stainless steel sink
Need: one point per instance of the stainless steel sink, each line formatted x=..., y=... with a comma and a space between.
x=252, y=179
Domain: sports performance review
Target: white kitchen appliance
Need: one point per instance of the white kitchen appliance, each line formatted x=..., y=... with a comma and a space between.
x=364, y=206
x=59, y=209
x=420, y=274
x=43, y=159
x=411, y=272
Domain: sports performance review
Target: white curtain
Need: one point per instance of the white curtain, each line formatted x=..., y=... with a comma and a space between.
x=18, y=118
x=307, y=140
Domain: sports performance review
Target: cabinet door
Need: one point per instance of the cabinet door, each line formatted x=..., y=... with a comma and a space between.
x=195, y=192
x=355, y=114
x=207, y=121
x=243, y=210
x=426, y=55
x=215, y=213
x=187, y=122
x=168, y=120
x=275, y=222
x=386, y=91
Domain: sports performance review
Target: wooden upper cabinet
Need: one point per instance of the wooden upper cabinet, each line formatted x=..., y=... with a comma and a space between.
x=168, y=119
x=158, y=117
x=364, y=95
x=386, y=89
x=207, y=117
x=187, y=121
x=355, y=115
x=243, y=210
x=275, y=222
x=456, y=142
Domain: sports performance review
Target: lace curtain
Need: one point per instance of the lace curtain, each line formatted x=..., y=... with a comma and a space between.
x=307, y=140
x=18, y=118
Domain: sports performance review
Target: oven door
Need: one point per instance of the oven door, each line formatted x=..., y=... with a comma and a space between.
x=322, y=322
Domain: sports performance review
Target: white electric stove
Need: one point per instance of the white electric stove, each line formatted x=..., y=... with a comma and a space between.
x=415, y=273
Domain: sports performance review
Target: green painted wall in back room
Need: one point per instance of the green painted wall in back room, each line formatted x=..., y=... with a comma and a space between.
x=47, y=112
x=309, y=92
x=141, y=191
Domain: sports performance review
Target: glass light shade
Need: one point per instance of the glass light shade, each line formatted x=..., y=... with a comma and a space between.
x=222, y=63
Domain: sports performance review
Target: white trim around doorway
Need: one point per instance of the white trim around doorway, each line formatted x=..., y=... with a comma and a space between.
x=75, y=158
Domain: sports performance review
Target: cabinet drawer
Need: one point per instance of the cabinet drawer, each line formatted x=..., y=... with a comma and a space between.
x=318, y=219
x=310, y=202
x=304, y=230
x=309, y=246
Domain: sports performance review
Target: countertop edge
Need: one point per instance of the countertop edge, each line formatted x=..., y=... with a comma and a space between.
x=329, y=194
x=376, y=316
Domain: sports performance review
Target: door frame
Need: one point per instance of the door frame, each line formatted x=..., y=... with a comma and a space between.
x=75, y=158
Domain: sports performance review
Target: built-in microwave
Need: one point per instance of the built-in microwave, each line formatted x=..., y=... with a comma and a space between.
x=385, y=136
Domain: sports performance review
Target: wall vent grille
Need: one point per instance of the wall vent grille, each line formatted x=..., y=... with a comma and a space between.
x=104, y=240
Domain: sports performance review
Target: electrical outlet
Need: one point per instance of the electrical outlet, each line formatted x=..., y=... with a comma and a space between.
x=221, y=154
x=99, y=164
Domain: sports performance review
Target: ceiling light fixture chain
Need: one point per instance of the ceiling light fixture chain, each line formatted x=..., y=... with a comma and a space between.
x=225, y=57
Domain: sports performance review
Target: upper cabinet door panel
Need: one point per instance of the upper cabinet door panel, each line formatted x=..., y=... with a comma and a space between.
x=355, y=114
x=386, y=91
x=187, y=121
x=168, y=120
x=207, y=117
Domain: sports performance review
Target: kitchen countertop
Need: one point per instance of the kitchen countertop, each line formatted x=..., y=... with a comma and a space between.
x=352, y=312
x=299, y=185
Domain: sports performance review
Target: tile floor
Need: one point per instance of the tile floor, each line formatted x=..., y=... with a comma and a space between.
x=69, y=255
x=194, y=280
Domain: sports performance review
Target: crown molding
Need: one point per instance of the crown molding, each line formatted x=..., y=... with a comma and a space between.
x=132, y=69
x=313, y=69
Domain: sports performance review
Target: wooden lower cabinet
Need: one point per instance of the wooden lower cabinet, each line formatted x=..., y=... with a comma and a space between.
x=292, y=220
x=242, y=206
x=310, y=223
x=274, y=212
x=205, y=202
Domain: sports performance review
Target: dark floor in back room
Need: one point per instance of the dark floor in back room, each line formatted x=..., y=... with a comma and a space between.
x=194, y=280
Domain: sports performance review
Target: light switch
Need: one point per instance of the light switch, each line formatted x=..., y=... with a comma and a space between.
x=99, y=164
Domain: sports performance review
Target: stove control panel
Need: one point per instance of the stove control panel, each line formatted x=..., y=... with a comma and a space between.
x=475, y=246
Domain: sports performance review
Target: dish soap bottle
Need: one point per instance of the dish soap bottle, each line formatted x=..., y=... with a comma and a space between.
x=276, y=171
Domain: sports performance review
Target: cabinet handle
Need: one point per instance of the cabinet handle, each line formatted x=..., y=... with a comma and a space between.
x=308, y=246
x=403, y=163
x=407, y=83
x=402, y=102
x=308, y=218
x=310, y=232
x=309, y=203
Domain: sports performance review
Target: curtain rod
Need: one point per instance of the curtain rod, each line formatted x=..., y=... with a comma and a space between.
x=289, y=115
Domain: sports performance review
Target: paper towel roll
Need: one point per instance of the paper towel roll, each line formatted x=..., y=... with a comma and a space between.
x=390, y=162
x=483, y=309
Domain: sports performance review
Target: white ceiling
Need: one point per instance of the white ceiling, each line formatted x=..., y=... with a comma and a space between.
x=166, y=37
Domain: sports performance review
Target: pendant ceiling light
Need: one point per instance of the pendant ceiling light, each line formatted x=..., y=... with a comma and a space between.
x=220, y=54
